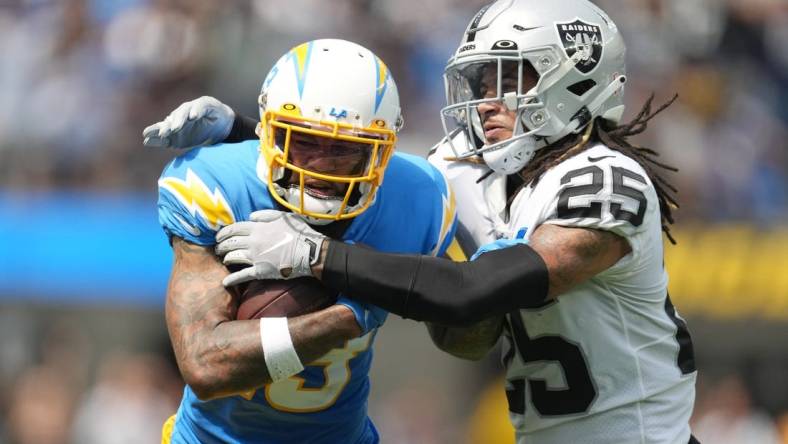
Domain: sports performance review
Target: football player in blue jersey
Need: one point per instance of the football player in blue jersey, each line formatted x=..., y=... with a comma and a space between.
x=329, y=116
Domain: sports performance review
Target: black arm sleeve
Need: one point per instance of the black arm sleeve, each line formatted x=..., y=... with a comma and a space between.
x=438, y=290
x=243, y=129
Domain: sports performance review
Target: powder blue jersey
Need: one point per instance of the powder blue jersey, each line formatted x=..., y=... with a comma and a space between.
x=207, y=188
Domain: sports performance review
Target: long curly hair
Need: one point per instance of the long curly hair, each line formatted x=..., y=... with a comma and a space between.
x=616, y=137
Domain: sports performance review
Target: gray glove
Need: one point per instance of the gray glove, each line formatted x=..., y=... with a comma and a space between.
x=203, y=121
x=275, y=245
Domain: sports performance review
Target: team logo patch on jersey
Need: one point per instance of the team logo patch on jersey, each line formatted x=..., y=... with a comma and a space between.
x=449, y=213
x=199, y=199
x=583, y=43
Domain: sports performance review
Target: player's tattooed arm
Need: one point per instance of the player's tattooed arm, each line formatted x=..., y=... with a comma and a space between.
x=574, y=255
x=218, y=355
x=470, y=343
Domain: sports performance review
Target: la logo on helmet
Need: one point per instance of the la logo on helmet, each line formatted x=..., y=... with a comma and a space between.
x=338, y=114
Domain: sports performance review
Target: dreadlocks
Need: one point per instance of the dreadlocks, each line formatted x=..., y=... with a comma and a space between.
x=616, y=138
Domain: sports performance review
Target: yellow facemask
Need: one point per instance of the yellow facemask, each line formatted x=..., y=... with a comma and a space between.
x=314, y=151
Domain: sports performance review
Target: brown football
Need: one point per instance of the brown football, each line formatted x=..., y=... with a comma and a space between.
x=284, y=298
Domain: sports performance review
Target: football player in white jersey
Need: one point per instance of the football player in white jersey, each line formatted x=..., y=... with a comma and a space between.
x=567, y=216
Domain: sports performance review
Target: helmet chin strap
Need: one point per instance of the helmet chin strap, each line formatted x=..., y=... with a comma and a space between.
x=512, y=157
x=313, y=205
x=514, y=154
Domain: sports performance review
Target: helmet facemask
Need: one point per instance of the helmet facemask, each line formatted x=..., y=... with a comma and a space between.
x=324, y=170
x=504, y=79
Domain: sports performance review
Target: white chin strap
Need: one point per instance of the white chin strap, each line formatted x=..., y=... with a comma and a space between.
x=512, y=156
x=313, y=205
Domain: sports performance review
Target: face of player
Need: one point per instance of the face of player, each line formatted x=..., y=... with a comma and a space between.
x=497, y=120
x=326, y=156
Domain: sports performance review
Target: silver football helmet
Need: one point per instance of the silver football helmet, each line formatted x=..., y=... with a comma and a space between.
x=577, y=54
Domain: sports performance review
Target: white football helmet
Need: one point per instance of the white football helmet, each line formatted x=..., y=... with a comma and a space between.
x=575, y=49
x=340, y=97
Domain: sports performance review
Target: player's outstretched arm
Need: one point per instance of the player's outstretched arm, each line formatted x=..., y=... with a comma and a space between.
x=458, y=294
x=276, y=245
x=218, y=355
x=471, y=343
x=200, y=122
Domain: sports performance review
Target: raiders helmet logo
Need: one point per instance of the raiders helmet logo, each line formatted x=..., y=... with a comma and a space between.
x=582, y=42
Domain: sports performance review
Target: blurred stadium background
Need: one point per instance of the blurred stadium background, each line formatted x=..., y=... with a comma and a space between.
x=84, y=354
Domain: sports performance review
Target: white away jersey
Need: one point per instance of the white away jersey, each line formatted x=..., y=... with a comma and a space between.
x=481, y=197
x=609, y=361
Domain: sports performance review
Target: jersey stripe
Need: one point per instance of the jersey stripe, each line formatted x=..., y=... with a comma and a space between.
x=455, y=253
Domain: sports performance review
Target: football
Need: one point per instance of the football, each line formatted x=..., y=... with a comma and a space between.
x=284, y=298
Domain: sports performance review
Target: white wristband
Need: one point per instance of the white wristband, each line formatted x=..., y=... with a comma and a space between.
x=280, y=355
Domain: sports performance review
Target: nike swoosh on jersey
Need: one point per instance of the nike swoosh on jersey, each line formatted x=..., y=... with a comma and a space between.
x=597, y=159
x=188, y=227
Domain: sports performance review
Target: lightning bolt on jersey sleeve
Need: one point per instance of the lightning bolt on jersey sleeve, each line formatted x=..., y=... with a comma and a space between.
x=444, y=211
x=207, y=188
x=191, y=209
x=481, y=201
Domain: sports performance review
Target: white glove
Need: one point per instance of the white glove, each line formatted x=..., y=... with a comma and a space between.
x=203, y=121
x=275, y=245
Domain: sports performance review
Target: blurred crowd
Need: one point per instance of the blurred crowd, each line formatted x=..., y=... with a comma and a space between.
x=60, y=383
x=80, y=79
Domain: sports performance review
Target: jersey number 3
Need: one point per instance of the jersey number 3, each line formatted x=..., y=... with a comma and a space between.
x=593, y=209
x=291, y=395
